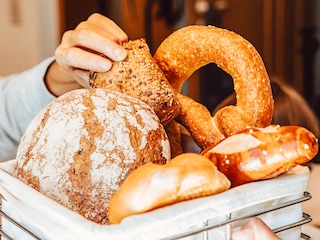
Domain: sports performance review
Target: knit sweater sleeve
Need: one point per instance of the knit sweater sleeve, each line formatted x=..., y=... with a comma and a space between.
x=22, y=96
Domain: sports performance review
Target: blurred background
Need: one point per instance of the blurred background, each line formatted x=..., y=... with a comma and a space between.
x=285, y=32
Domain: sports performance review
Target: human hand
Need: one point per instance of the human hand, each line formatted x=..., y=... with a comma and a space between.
x=253, y=230
x=80, y=51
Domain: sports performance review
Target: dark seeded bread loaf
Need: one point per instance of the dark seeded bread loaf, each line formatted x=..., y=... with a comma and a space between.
x=139, y=76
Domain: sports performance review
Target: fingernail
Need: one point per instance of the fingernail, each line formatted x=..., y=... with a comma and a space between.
x=120, y=54
x=105, y=65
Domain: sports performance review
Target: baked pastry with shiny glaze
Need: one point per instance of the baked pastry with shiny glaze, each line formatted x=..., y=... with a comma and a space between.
x=262, y=153
x=189, y=48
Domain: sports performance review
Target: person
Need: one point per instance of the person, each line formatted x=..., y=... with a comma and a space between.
x=290, y=108
x=254, y=229
x=23, y=95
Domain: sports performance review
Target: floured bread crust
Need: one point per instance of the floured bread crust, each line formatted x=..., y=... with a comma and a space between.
x=81, y=147
x=139, y=76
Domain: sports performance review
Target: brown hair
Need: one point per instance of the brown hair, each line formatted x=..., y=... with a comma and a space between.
x=290, y=108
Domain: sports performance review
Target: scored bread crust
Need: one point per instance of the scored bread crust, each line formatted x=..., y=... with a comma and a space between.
x=139, y=76
x=81, y=147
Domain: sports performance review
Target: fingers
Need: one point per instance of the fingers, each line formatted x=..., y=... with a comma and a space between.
x=109, y=27
x=94, y=41
x=85, y=55
x=93, y=45
x=253, y=230
x=83, y=47
x=81, y=77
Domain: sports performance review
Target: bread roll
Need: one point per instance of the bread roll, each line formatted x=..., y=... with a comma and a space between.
x=188, y=49
x=140, y=76
x=187, y=176
x=80, y=148
x=262, y=153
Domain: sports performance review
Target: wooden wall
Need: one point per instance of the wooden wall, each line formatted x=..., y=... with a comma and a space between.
x=273, y=27
x=277, y=28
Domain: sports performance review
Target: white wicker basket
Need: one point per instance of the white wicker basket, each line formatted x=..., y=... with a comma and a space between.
x=27, y=214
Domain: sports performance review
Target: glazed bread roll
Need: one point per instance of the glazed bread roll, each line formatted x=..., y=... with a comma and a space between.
x=80, y=148
x=151, y=186
x=262, y=153
x=139, y=76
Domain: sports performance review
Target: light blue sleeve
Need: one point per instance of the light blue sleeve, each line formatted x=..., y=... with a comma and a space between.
x=22, y=96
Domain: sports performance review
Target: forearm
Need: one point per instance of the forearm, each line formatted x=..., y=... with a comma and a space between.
x=22, y=96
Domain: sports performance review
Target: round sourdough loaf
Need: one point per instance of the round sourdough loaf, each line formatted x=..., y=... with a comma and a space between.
x=81, y=147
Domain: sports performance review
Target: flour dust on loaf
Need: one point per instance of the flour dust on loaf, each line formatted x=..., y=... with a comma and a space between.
x=81, y=147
